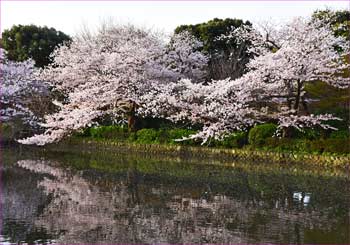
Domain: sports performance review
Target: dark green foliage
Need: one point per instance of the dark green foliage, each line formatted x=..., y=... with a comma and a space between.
x=234, y=140
x=257, y=136
x=336, y=145
x=108, y=132
x=6, y=132
x=328, y=99
x=340, y=134
x=175, y=134
x=308, y=133
x=156, y=123
x=162, y=136
x=207, y=32
x=339, y=20
x=286, y=144
x=30, y=41
x=143, y=136
x=309, y=141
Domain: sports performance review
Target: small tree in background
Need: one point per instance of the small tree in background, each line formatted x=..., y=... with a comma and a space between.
x=24, y=42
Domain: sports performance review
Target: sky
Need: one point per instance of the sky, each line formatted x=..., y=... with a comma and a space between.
x=71, y=16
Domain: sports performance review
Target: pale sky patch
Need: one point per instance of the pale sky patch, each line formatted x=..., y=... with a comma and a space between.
x=69, y=17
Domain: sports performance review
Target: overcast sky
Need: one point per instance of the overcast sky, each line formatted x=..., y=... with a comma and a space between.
x=70, y=16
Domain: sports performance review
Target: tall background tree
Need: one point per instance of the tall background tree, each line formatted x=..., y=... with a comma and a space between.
x=24, y=42
x=227, y=57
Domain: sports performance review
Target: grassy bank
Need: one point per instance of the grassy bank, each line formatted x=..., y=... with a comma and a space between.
x=258, y=144
x=260, y=138
x=232, y=156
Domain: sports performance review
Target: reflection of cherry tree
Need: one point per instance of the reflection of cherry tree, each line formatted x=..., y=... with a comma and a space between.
x=77, y=206
x=89, y=207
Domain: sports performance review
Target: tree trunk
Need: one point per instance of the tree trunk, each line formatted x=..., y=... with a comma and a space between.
x=297, y=98
x=305, y=106
x=132, y=118
x=287, y=132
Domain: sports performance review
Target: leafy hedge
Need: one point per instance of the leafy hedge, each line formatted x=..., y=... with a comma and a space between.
x=310, y=141
x=108, y=132
x=234, y=140
x=142, y=136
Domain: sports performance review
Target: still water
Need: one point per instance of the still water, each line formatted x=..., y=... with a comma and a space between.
x=66, y=197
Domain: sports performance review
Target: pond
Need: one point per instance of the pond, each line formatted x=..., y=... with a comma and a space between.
x=109, y=197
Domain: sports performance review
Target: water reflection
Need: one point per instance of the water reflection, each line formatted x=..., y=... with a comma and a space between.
x=45, y=202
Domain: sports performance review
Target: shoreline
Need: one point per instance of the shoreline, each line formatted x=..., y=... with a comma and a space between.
x=256, y=156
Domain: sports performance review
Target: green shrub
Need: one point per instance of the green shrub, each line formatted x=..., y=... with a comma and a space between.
x=337, y=145
x=147, y=136
x=109, y=132
x=340, y=134
x=257, y=136
x=179, y=133
x=308, y=133
x=341, y=146
x=284, y=144
x=234, y=140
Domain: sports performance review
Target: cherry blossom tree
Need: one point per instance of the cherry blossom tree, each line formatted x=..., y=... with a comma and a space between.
x=183, y=57
x=21, y=93
x=288, y=58
x=107, y=73
x=124, y=70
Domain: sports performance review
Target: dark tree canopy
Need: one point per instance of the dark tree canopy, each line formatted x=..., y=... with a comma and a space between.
x=226, y=59
x=29, y=41
x=340, y=21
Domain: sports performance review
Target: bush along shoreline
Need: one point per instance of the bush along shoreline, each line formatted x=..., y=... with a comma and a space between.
x=258, y=144
x=260, y=137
